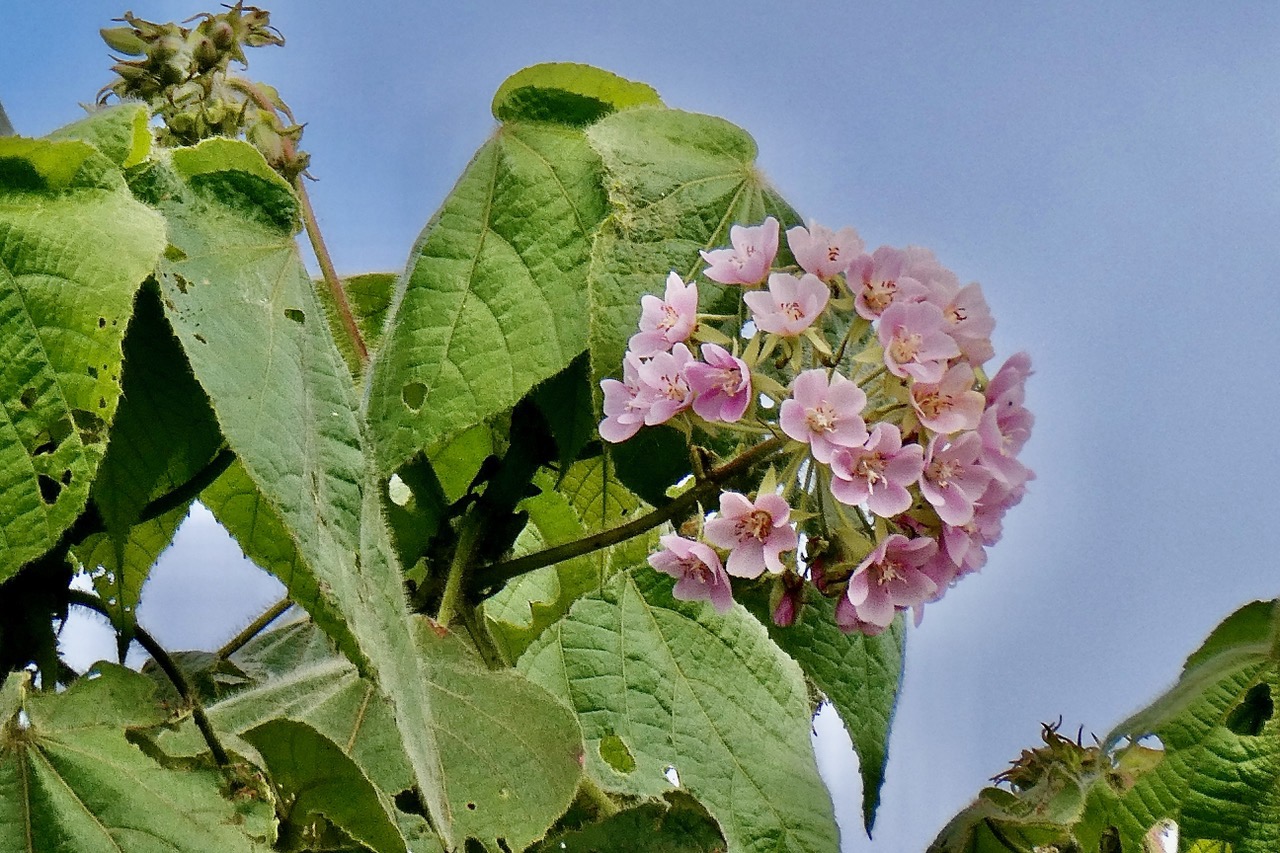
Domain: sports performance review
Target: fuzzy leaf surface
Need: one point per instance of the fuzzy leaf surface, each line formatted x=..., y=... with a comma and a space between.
x=74, y=247
x=568, y=93
x=238, y=297
x=491, y=303
x=678, y=686
x=70, y=781
x=860, y=675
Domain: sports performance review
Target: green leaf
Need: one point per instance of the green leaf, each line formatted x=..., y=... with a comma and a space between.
x=369, y=297
x=121, y=132
x=569, y=93
x=677, y=182
x=74, y=246
x=524, y=608
x=860, y=675
x=510, y=751
x=601, y=503
x=70, y=780
x=1215, y=773
x=240, y=507
x=678, y=825
x=120, y=563
x=706, y=694
x=240, y=301
x=491, y=303
x=319, y=781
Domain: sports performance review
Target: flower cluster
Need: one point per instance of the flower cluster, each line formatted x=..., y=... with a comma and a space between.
x=898, y=454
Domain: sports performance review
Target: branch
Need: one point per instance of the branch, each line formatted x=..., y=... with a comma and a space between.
x=492, y=576
x=166, y=663
x=254, y=628
x=336, y=291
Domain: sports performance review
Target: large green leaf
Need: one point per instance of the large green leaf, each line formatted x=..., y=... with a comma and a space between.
x=241, y=303
x=860, y=675
x=662, y=685
x=369, y=297
x=568, y=93
x=677, y=182
x=71, y=781
x=511, y=753
x=678, y=825
x=74, y=246
x=491, y=303
x=1215, y=775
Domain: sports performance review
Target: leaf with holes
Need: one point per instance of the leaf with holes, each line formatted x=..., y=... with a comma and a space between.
x=237, y=295
x=491, y=303
x=71, y=780
x=662, y=685
x=74, y=247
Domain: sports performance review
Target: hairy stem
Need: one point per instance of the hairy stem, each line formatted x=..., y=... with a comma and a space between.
x=254, y=628
x=492, y=576
x=170, y=669
x=331, y=280
x=468, y=538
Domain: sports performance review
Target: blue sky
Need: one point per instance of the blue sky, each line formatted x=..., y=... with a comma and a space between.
x=1108, y=171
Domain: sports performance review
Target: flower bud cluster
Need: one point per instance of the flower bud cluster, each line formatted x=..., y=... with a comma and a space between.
x=900, y=455
x=182, y=75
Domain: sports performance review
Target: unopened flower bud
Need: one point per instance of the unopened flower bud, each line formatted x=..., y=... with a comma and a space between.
x=221, y=33
x=786, y=599
x=124, y=40
x=166, y=47
x=205, y=53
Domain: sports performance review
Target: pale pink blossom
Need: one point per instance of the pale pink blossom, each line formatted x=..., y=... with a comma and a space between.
x=624, y=410
x=880, y=279
x=1006, y=423
x=847, y=620
x=749, y=260
x=970, y=323
x=891, y=578
x=951, y=404
x=756, y=533
x=954, y=479
x=697, y=570
x=879, y=473
x=666, y=321
x=824, y=252
x=790, y=305
x=722, y=385
x=825, y=415
x=663, y=388
x=915, y=343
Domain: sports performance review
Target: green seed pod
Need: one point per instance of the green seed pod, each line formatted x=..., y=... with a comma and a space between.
x=221, y=33
x=167, y=47
x=124, y=40
x=205, y=53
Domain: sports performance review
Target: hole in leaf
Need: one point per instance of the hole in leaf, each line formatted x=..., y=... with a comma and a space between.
x=471, y=806
x=92, y=371
x=102, y=322
x=613, y=750
x=1252, y=713
x=89, y=424
x=102, y=402
x=673, y=776
x=66, y=477
x=49, y=488
x=200, y=338
x=27, y=398
x=414, y=394
x=295, y=315
x=45, y=449
x=409, y=802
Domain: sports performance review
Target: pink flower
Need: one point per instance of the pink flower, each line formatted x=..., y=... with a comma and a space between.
x=624, y=411
x=915, y=343
x=663, y=388
x=749, y=260
x=953, y=478
x=667, y=321
x=824, y=416
x=790, y=305
x=824, y=252
x=892, y=577
x=879, y=473
x=1006, y=423
x=878, y=279
x=697, y=570
x=950, y=405
x=970, y=323
x=847, y=620
x=722, y=385
x=755, y=533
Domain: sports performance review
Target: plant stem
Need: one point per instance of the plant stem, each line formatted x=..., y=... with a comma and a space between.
x=492, y=576
x=468, y=537
x=336, y=290
x=170, y=669
x=254, y=628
